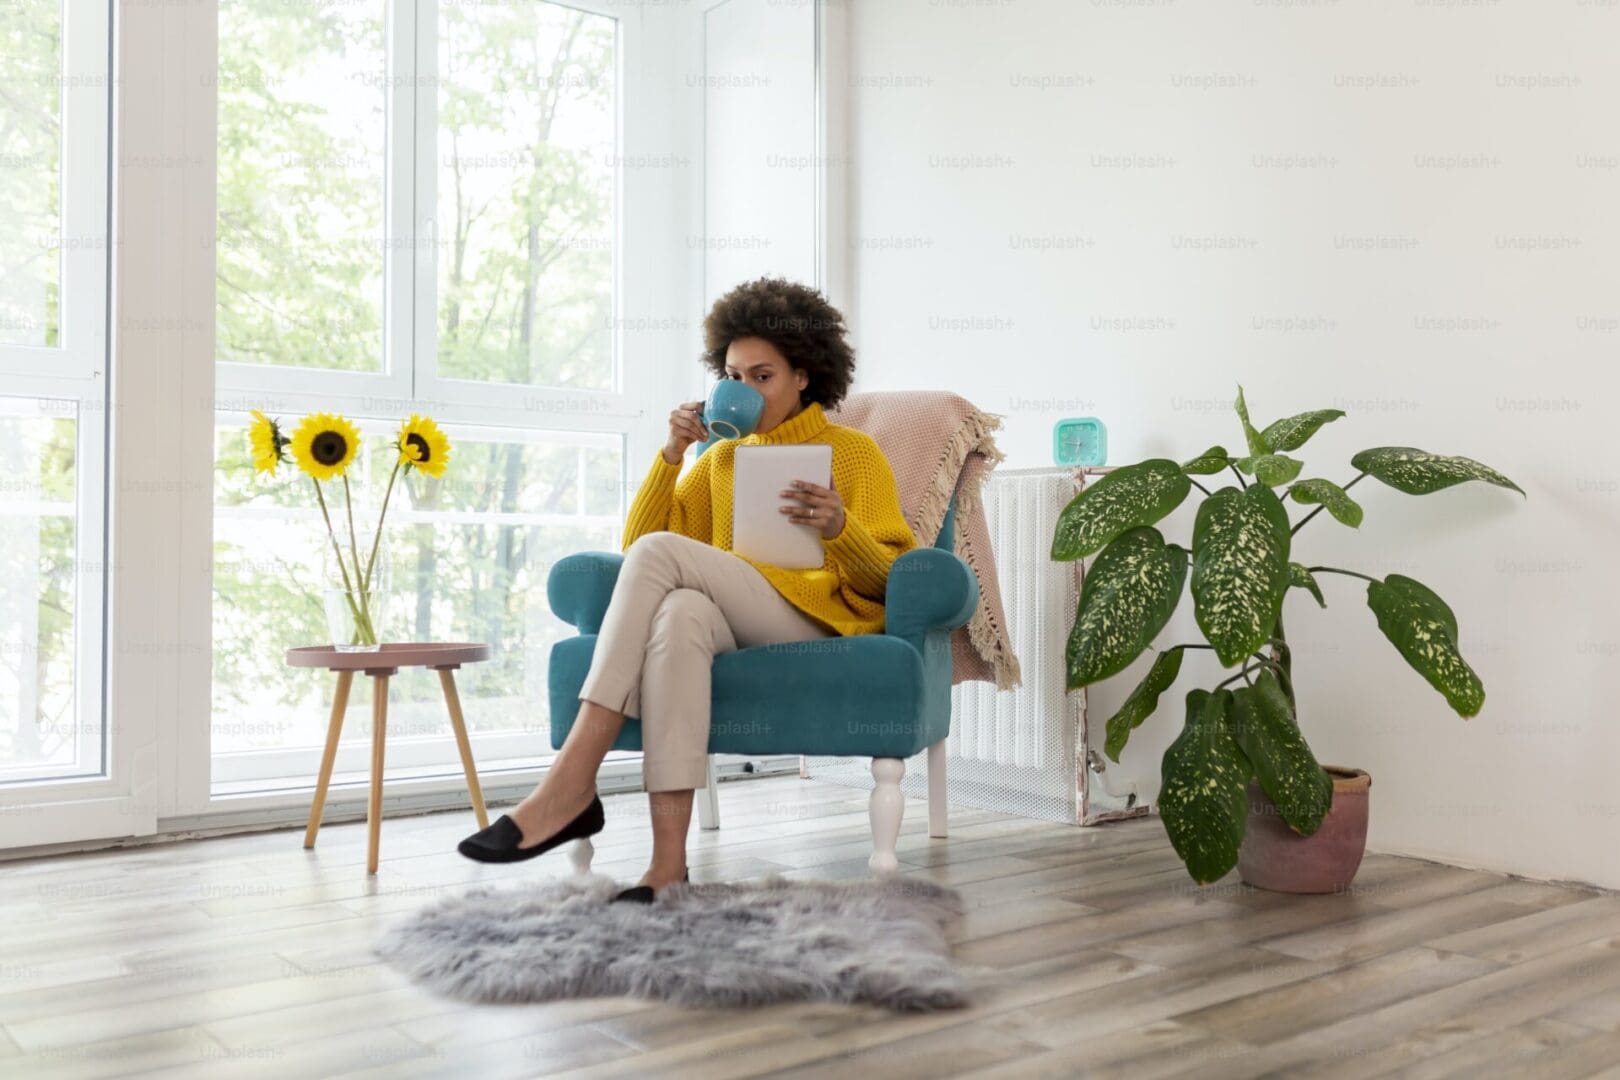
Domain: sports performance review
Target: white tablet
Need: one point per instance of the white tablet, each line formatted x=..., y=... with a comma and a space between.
x=759, y=529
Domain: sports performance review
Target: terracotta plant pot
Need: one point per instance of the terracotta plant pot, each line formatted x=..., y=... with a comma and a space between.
x=1275, y=857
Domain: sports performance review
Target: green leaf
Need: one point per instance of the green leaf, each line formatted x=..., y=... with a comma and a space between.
x=1291, y=433
x=1128, y=596
x=1204, y=796
x=1263, y=725
x=1209, y=462
x=1301, y=578
x=1418, y=472
x=1424, y=630
x=1252, y=438
x=1272, y=470
x=1331, y=495
x=1240, y=569
x=1126, y=498
x=1143, y=700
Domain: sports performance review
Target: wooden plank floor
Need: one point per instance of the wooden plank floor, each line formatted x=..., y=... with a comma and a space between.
x=1093, y=953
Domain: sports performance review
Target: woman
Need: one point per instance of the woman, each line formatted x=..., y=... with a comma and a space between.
x=682, y=595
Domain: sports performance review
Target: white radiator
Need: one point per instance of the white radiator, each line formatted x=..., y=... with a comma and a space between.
x=1032, y=724
x=1021, y=751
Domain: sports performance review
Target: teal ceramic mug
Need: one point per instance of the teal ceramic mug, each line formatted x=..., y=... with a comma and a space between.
x=733, y=411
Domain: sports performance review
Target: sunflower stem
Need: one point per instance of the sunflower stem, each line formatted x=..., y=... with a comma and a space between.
x=348, y=589
x=354, y=549
x=376, y=540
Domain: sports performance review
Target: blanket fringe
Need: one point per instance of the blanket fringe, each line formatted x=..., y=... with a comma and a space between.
x=972, y=438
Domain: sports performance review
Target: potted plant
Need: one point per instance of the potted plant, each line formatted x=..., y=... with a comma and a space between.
x=1241, y=767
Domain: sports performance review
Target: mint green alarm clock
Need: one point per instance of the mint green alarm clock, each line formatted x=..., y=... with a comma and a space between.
x=1080, y=440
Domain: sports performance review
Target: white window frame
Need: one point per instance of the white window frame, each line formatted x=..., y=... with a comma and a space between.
x=613, y=405
x=80, y=356
x=393, y=382
x=113, y=606
x=167, y=388
x=410, y=381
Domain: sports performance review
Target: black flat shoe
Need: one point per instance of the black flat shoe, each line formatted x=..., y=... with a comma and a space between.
x=641, y=894
x=499, y=843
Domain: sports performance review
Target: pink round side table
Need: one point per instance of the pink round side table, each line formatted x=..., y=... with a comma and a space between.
x=381, y=665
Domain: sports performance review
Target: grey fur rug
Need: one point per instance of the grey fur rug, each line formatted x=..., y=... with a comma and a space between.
x=758, y=943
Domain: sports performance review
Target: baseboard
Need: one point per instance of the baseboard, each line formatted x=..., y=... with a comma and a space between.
x=348, y=804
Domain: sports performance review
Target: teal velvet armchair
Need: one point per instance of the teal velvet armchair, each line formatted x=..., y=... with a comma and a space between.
x=885, y=696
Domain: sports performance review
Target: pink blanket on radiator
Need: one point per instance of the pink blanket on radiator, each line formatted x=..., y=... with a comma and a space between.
x=937, y=444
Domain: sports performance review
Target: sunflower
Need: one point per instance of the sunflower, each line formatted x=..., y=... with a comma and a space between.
x=269, y=444
x=423, y=445
x=324, y=444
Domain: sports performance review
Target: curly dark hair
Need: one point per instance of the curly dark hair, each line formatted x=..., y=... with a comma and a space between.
x=798, y=321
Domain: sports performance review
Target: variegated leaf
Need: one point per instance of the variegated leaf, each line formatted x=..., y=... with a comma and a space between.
x=1301, y=578
x=1422, y=627
x=1204, y=798
x=1418, y=472
x=1211, y=461
x=1272, y=470
x=1291, y=432
x=1331, y=495
x=1263, y=724
x=1143, y=700
x=1240, y=569
x=1251, y=437
x=1126, y=498
x=1128, y=596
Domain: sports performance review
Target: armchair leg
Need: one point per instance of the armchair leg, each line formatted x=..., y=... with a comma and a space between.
x=708, y=802
x=887, y=807
x=936, y=790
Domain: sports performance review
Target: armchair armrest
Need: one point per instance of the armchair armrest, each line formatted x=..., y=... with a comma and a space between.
x=928, y=589
x=580, y=586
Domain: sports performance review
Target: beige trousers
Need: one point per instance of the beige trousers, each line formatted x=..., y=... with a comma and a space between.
x=677, y=604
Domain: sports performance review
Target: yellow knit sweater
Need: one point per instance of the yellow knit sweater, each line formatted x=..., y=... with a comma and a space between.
x=845, y=593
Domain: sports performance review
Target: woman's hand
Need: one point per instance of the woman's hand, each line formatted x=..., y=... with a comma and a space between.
x=684, y=429
x=822, y=508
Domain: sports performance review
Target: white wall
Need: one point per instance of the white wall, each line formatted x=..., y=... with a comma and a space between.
x=759, y=143
x=1404, y=209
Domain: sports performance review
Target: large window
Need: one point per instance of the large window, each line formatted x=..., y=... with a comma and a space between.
x=417, y=212
x=525, y=195
x=303, y=144
x=53, y=274
x=43, y=732
x=30, y=174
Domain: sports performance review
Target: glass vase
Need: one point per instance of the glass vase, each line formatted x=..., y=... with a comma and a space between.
x=357, y=610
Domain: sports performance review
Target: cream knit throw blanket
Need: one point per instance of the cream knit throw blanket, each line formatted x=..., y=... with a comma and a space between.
x=937, y=443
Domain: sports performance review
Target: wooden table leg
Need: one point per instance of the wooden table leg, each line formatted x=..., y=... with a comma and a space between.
x=379, y=727
x=334, y=728
x=452, y=701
